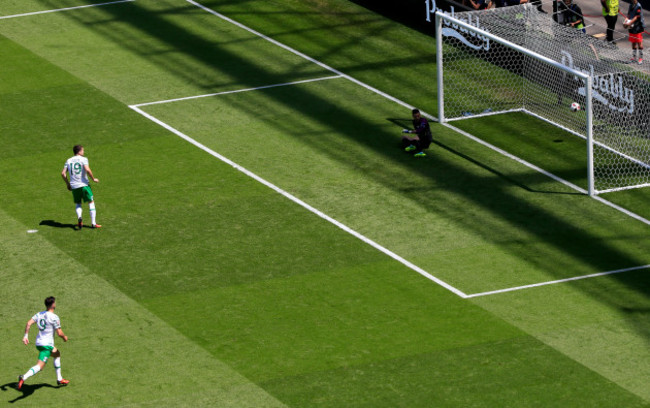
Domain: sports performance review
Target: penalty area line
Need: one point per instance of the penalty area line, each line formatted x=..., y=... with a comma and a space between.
x=301, y=203
x=304, y=81
x=406, y=105
x=304, y=56
x=64, y=9
x=534, y=285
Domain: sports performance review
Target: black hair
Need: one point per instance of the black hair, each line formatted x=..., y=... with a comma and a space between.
x=414, y=111
x=77, y=149
x=49, y=302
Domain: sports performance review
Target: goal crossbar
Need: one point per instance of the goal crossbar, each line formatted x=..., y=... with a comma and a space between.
x=443, y=18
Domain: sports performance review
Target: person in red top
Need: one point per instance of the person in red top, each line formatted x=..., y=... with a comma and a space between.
x=635, y=25
x=423, y=137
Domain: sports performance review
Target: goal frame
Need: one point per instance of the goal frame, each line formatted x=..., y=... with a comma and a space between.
x=441, y=17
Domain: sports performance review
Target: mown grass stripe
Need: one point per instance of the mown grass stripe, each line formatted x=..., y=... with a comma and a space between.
x=305, y=56
x=303, y=204
x=113, y=356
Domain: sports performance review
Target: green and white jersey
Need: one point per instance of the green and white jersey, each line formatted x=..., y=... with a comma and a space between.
x=47, y=322
x=77, y=171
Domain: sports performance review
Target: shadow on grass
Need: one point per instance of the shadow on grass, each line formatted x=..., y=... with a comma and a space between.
x=27, y=390
x=56, y=224
x=406, y=123
x=442, y=184
x=500, y=174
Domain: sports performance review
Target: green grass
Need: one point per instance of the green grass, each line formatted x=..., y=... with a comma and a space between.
x=206, y=288
x=119, y=353
x=338, y=143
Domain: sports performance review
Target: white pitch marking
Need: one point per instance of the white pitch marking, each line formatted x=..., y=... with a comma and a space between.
x=301, y=203
x=32, y=231
x=64, y=9
x=623, y=210
x=534, y=285
x=398, y=101
x=318, y=212
x=515, y=158
x=238, y=90
x=392, y=98
x=547, y=174
x=305, y=56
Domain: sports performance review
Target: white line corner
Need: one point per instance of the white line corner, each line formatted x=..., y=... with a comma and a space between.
x=575, y=278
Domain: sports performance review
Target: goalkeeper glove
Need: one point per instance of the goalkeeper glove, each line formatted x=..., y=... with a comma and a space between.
x=406, y=131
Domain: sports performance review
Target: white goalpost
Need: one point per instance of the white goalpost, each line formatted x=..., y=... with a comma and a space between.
x=516, y=59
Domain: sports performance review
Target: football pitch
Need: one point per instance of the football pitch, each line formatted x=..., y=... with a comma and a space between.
x=266, y=242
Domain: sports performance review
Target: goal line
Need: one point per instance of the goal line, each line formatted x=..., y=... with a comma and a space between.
x=318, y=212
x=342, y=226
x=303, y=204
x=574, y=278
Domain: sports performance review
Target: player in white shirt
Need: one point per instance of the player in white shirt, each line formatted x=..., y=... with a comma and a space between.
x=78, y=171
x=48, y=323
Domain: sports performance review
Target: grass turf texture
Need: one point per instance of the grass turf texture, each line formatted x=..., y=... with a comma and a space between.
x=18, y=7
x=230, y=272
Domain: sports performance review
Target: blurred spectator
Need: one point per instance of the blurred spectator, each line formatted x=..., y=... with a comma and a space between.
x=573, y=15
x=504, y=3
x=636, y=26
x=481, y=4
x=558, y=11
x=514, y=2
x=610, y=12
x=538, y=4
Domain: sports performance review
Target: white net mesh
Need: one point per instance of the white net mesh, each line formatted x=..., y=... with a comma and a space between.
x=485, y=77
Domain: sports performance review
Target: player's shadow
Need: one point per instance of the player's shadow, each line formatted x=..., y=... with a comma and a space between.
x=27, y=390
x=55, y=224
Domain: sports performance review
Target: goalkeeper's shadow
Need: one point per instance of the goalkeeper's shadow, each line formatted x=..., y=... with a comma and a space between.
x=405, y=123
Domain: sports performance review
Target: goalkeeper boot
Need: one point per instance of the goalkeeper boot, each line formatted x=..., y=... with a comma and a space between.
x=409, y=148
x=420, y=154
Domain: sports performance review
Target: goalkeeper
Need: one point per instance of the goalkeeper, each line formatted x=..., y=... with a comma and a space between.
x=423, y=137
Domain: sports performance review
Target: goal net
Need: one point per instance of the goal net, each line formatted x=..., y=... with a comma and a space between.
x=517, y=59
